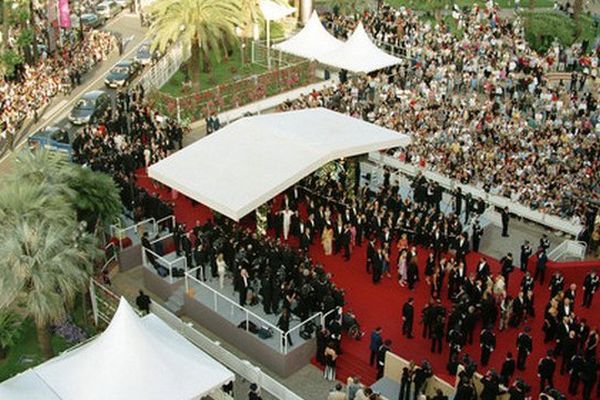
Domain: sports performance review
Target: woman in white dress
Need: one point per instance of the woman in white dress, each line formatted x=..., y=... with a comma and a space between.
x=221, y=268
x=287, y=220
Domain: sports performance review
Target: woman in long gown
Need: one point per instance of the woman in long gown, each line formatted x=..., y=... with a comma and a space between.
x=287, y=220
x=327, y=239
x=330, y=360
x=402, y=262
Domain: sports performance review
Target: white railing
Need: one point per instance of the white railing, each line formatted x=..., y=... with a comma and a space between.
x=573, y=248
x=158, y=74
x=538, y=217
x=168, y=221
x=133, y=231
x=243, y=368
x=109, y=259
x=232, y=306
x=180, y=263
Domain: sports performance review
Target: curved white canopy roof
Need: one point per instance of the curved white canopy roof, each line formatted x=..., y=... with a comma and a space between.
x=274, y=11
x=358, y=54
x=311, y=42
x=134, y=358
x=240, y=167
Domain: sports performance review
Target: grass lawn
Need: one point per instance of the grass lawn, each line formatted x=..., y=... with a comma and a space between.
x=542, y=28
x=424, y=5
x=222, y=72
x=27, y=353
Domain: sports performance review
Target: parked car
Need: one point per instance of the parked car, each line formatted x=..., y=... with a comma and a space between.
x=107, y=9
x=122, y=74
x=89, y=107
x=91, y=20
x=51, y=138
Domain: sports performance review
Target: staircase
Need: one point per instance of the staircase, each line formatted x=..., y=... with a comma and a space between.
x=175, y=301
x=348, y=365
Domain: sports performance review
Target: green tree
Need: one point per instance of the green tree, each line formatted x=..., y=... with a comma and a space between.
x=201, y=26
x=97, y=200
x=43, y=265
x=46, y=256
x=10, y=332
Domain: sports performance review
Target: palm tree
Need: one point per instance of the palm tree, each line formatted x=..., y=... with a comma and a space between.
x=199, y=25
x=97, y=200
x=43, y=265
x=46, y=256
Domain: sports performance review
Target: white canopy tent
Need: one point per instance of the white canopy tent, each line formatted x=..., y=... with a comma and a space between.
x=311, y=42
x=134, y=358
x=358, y=54
x=240, y=167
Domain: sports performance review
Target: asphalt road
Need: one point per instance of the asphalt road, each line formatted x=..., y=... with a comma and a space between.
x=129, y=27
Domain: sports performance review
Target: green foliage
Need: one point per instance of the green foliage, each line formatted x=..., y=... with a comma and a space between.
x=10, y=330
x=542, y=28
x=10, y=59
x=97, y=198
x=25, y=38
x=46, y=257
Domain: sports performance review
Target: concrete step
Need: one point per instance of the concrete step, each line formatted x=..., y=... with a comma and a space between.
x=175, y=301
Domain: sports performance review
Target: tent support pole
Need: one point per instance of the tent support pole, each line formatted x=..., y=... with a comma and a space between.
x=268, y=44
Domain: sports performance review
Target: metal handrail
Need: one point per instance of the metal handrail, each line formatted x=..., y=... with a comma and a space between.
x=122, y=231
x=521, y=210
x=160, y=221
x=248, y=313
x=169, y=264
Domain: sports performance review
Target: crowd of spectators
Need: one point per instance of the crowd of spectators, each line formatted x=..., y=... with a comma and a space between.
x=31, y=87
x=480, y=107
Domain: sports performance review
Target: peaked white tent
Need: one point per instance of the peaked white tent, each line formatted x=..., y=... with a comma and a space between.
x=358, y=54
x=311, y=42
x=242, y=166
x=135, y=358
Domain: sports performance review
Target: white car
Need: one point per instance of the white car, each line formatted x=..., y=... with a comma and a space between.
x=107, y=9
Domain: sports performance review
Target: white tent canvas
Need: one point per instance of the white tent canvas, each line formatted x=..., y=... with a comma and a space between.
x=242, y=166
x=358, y=54
x=135, y=358
x=274, y=11
x=311, y=42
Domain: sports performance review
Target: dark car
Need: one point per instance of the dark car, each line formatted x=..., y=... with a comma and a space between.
x=89, y=107
x=91, y=20
x=122, y=74
x=51, y=138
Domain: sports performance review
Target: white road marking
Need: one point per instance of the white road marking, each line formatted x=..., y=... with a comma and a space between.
x=54, y=109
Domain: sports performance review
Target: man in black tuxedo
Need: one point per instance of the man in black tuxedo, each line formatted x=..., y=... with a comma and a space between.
x=590, y=286
x=524, y=348
x=506, y=265
x=546, y=367
x=526, y=252
x=505, y=218
x=408, y=314
x=371, y=254
x=487, y=341
x=476, y=235
x=462, y=248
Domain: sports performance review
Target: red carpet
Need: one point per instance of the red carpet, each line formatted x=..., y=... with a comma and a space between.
x=380, y=305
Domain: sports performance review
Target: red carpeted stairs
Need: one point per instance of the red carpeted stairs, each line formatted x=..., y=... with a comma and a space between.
x=380, y=305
